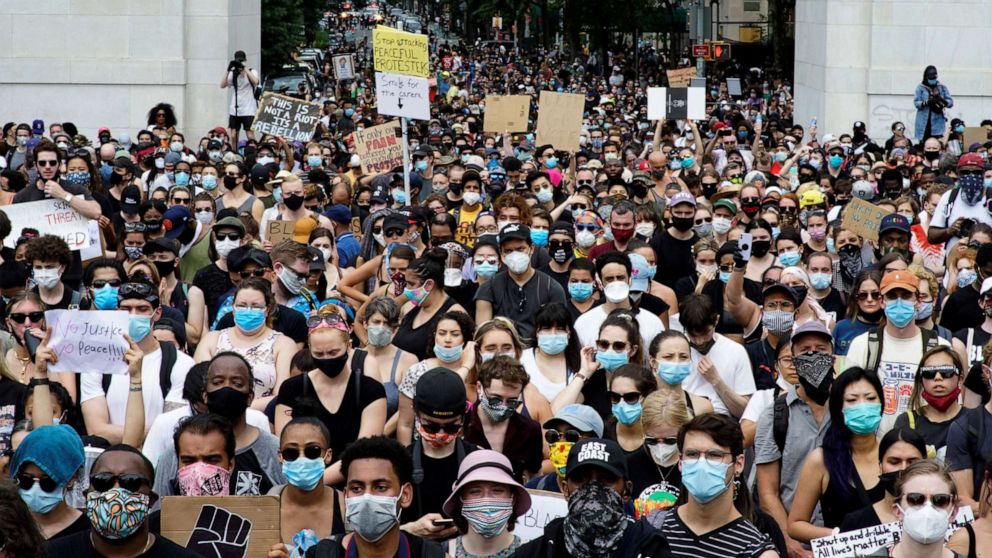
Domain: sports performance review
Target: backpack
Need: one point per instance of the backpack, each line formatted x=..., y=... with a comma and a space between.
x=875, y=337
x=169, y=355
x=780, y=420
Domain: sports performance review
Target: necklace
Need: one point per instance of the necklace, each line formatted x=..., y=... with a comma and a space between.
x=24, y=365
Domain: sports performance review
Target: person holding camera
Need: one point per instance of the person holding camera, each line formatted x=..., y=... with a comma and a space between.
x=930, y=99
x=243, y=80
x=959, y=209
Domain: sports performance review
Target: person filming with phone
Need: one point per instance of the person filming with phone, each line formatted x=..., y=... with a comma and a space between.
x=243, y=79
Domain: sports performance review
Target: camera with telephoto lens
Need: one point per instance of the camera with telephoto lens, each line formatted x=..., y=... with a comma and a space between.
x=235, y=66
x=937, y=102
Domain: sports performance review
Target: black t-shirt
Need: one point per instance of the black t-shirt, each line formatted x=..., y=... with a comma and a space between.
x=674, y=257
x=763, y=366
x=416, y=546
x=976, y=383
x=933, y=433
x=11, y=393
x=834, y=302
x=961, y=310
x=288, y=321
x=652, y=304
x=861, y=519
x=643, y=473
x=66, y=299
x=562, y=277
x=517, y=303
x=214, y=282
x=979, y=338
x=79, y=545
x=439, y=476
x=576, y=313
x=79, y=525
x=345, y=423
x=464, y=295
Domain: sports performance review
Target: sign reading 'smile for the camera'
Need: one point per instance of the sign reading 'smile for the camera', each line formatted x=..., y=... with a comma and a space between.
x=286, y=117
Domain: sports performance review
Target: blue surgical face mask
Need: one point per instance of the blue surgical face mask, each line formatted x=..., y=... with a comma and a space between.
x=724, y=276
x=704, y=480
x=399, y=195
x=836, y=160
x=182, y=178
x=420, y=165
x=552, y=343
x=688, y=162
x=900, y=312
x=551, y=162
x=314, y=161
x=775, y=233
x=580, y=292
x=448, y=354
x=539, y=237
x=788, y=259
x=863, y=418
x=672, y=373
x=138, y=327
x=105, y=298
x=820, y=280
x=303, y=473
x=249, y=319
x=209, y=182
x=486, y=269
x=39, y=501
x=627, y=413
x=612, y=360
x=349, y=112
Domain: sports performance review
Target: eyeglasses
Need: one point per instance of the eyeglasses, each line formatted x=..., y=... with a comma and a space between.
x=945, y=370
x=940, y=501
x=313, y=451
x=376, y=230
x=767, y=282
x=895, y=294
x=702, y=220
x=435, y=427
x=25, y=481
x=102, y=482
x=728, y=268
x=866, y=295
x=630, y=397
x=134, y=227
x=228, y=236
x=713, y=456
x=604, y=345
x=786, y=305
x=257, y=272
x=48, y=162
x=20, y=317
x=651, y=441
x=787, y=361
x=553, y=436
x=203, y=210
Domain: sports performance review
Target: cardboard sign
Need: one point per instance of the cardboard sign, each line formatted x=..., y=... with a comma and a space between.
x=344, y=67
x=88, y=341
x=402, y=95
x=862, y=218
x=222, y=526
x=680, y=77
x=559, y=120
x=286, y=117
x=510, y=113
x=277, y=231
x=676, y=103
x=544, y=507
x=379, y=148
x=48, y=217
x=399, y=52
x=972, y=135
x=867, y=541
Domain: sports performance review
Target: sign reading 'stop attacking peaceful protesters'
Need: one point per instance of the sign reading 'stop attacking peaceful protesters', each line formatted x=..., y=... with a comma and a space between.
x=379, y=148
x=88, y=341
x=399, y=52
x=54, y=217
x=286, y=117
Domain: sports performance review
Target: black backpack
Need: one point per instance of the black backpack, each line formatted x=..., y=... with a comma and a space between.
x=169, y=355
x=780, y=420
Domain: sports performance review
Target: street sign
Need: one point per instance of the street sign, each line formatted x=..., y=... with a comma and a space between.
x=721, y=51
x=402, y=95
x=701, y=50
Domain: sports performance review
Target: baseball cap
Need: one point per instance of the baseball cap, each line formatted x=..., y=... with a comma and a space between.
x=815, y=327
x=338, y=213
x=260, y=175
x=894, y=221
x=780, y=288
x=562, y=227
x=174, y=220
x=130, y=199
x=316, y=259
x=38, y=127
x=515, y=231
x=394, y=222
x=232, y=222
x=899, y=280
x=726, y=204
x=971, y=159
x=162, y=244
x=440, y=394
x=247, y=253
x=596, y=452
x=639, y=280
x=811, y=197
x=303, y=228
x=583, y=417
x=682, y=197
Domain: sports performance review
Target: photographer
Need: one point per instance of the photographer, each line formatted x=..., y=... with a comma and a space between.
x=244, y=80
x=931, y=98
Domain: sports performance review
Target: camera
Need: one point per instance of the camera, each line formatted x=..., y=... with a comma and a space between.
x=235, y=66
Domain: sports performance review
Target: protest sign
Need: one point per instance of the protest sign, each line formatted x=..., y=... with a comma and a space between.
x=676, y=103
x=48, y=217
x=734, y=87
x=378, y=148
x=344, y=67
x=402, y=95
x=399, y=52
x=277, y=231
x=544, y=507
x=286, y=117
x=222, y=526
x=97, y=243
x=559, y=121
x=509, y=113
x=867, y=541
x=88, y=341
x=680, y=77
x=976, y=134
x=862, y=218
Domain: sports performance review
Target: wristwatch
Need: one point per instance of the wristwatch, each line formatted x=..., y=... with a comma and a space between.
x=68, y=197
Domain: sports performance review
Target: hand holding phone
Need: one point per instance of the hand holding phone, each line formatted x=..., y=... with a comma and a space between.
x=744, y=245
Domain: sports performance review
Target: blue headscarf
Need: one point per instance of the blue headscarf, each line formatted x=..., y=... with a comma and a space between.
x=56, y=450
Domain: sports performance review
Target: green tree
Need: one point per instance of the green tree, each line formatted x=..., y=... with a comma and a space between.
x=283, y=29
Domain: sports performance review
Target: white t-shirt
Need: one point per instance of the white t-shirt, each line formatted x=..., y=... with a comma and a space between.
x=159, y=438
x=246, y=103
x=589, y=323
x=733, y=366
x=943, y=219
x=762, y=399
x=92, y=387
x=548, y=389
x=897, y=367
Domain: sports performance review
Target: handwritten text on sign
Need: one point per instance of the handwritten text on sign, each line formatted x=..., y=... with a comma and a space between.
x=88, y=341
x=288, y=118
x=399, y=52
x=863, y=218
x=544, y=507
x=378, y=148
x=867, y=541
x=401, y=95
x=48, y=217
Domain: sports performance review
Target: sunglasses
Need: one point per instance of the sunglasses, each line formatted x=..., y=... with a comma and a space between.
x=257, y=272
x=20, y=317
x=945, y=370
x=940, y=501
x=591, y=228
x=435, y=427
x=25, y=481
x=48, y=163
x=553, y=436
x=652, y=441
x=181, y=201
x=234, y=175
x=228, y=236
x=203, y=210
x=618, y=346
x=376, y=230
x=134, y=227
x=102, y=482
x=331, y=320
x=139, y=289
x=866, y=295
x=395, y=233
x=313, y=451
x=702, y=220
x=630, y=398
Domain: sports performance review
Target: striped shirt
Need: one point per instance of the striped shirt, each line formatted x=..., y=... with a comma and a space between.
x=737, y=539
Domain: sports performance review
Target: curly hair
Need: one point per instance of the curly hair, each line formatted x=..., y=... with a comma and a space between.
x=48, y=248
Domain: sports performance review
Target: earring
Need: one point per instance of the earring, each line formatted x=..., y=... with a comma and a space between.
x=737, y=485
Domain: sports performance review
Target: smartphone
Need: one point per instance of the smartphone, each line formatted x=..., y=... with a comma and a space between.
x=32, y=343
x=745, y=246
x=443, y=522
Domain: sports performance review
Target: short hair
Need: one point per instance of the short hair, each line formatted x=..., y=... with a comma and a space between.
x=925, y=467
x=612, y=257
x=503, y=368
x=386, y=307
x=203, y=424
x=722, y=429
x=512, y=199
x=103, y=263
x=239, y=356
x=306, y=420
x=465, y=323
x=196, y=382
x=46, y=145
x=697, y=312
x=379, y=447
x=585, y=264
x=288, y=251
x=623, y=207
x=124, y=448
x=47, y=248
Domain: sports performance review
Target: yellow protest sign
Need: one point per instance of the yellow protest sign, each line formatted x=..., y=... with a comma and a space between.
x=399, y=52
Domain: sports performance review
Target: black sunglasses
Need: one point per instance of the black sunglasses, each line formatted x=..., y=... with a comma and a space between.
x=101, y=283
x=25, y=481
x=435, y=427
x=48, y=163
x=139, y=289
x=630, y=397
x=134, y=227
x=939, y=501
x=102, y=482
x=257, y=272
x=312, y=451
x=228, y=236
x=651, y=441
x=945, y=371
x=553, y=436
x=19, y=317
x=618, y=346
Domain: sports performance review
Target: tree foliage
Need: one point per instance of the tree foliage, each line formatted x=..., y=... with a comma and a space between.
x=283, y=29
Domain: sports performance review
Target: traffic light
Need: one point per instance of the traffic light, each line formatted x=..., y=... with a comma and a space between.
x=721, y=51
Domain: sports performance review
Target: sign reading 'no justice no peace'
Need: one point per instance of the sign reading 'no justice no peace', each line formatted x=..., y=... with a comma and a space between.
x=401, y=70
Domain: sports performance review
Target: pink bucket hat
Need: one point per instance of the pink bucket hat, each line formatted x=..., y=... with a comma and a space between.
x=490, y=466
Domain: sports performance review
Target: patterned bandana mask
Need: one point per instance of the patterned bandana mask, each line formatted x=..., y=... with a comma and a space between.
x=117, y=513
x=204, y=479
x=815, y=375
x=596, y=523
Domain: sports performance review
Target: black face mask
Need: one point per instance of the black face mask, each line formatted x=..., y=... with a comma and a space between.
x=455, y=188
x=800, y=293
x=709, y=189
x=658, y=174
x=154, y=225
x=293, y=202
x=115, y=178
x=331, y=367
x=888, y=481
x=561, y=251
x=683, y=223
x=760, y=248
x=931, y=155
x=165, y=268
x=227, y=402
x=639, y=190
x=704, y=348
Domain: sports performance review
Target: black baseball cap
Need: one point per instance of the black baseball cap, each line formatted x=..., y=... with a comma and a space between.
x=515, y=231
x=163, y=244
x=395, y=221
x=780, y=288
x=594, y=452
x=440, y=394
x=241, y=255
x=316, y=258
x=130, y=199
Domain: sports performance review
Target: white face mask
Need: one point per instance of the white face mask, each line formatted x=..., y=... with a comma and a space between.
x=721, y=225
x=925, y=524
x=327, y=254
x=617, y=292
x=452, y=277
x=224, y=247
x=645, y=229
x=471, y=198
x=379, y=238
x=661, y=453
x=46, y=278
x=265, y=160
x=585, y=239
x=517, y=262
x=205, y=217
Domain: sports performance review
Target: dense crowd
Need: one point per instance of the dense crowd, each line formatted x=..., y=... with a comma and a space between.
x=676, y=327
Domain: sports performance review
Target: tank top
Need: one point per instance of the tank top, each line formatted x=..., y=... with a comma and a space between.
x=261, y=356
x=548, y=389
x=245, y=206
x=415, y=340
x=835, y=505
x=392, y=390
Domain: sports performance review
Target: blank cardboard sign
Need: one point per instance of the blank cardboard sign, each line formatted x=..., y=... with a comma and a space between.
x=222, y=526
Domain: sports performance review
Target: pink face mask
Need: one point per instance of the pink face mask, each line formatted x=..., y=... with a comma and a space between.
x=204, y=479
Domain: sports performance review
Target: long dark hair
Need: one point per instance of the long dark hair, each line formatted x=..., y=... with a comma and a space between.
x=837, y=456
x=19, y=534
x=557, y=315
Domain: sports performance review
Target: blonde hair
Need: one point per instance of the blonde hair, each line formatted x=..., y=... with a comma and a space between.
x=665, y=407
x=923, y=274
x=925, y=467
x=499, y=323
